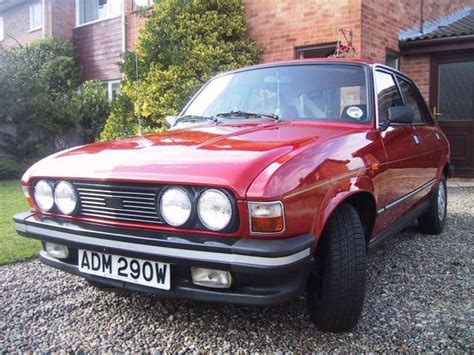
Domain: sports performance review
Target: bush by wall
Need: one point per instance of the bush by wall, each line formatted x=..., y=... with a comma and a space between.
x=42, y=100
x=182, y=45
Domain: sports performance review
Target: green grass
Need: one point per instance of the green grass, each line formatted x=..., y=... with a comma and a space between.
x=13, y=247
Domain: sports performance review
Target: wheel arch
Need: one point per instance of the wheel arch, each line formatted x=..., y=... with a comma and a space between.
x=362, y=200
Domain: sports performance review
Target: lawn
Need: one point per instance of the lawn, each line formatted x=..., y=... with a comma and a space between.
x=13, y=247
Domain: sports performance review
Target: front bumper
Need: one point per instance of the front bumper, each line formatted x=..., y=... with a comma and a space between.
x=264, y=272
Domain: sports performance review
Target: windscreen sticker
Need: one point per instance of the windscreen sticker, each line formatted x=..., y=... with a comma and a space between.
x=355, y=112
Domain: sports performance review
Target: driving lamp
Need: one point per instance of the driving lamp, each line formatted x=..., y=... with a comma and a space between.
x=211, y=278
x=266, y=217
x=57, y=251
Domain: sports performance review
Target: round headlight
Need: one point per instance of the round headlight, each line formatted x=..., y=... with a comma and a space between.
x=65, y=197
x=175, y=206
x=43, y=194
x=214, y=209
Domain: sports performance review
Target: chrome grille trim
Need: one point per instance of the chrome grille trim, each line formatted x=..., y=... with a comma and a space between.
x=137, y=203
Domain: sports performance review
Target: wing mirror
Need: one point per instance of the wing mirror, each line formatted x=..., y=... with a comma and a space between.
x=170, y=121
x=399, y=114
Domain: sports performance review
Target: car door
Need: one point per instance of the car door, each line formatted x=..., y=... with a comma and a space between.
x=403, y=150
x=431, y=141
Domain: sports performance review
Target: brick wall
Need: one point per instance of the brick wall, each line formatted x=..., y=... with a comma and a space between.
x=16, y=22
x=134, y=23
x=99, y=47
x=279, y=26
x=63, y=15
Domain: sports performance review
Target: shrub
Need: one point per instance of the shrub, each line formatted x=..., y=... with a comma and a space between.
x=10, y=169
x=182, y=45
x=42, y=99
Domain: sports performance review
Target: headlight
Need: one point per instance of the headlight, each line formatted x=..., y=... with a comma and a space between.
x=65, y=197
x=214, y=210
x=43, y=194
x=175, y=206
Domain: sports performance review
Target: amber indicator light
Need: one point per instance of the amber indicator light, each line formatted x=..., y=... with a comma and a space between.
x=266, y=217
x=267, y=224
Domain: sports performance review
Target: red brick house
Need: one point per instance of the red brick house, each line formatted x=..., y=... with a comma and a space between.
x=430, y=40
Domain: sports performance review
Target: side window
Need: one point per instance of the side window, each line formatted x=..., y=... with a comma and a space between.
x=412, y=99
x=387, y=94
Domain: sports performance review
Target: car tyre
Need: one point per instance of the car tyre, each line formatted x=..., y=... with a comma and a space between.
x=433, y=220
x=336, y=288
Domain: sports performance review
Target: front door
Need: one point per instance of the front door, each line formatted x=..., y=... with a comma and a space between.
x=452, y=102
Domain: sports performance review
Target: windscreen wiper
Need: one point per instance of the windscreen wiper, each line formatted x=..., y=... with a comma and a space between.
x=194, y=118
x=248, y=115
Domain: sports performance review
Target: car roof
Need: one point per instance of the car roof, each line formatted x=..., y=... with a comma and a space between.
x=353, y=61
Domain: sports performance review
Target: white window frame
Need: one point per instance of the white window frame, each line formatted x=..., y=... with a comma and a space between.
x=37, y=3
x=148, y=4
x=110, y=83
x=2, y=29
x=108, y=17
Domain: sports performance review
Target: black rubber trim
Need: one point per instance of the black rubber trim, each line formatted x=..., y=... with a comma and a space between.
x=274, y=292
x=398, y=225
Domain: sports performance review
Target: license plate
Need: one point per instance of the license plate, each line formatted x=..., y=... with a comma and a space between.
x=138, y=271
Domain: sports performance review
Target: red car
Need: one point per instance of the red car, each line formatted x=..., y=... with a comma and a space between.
x=273, y=181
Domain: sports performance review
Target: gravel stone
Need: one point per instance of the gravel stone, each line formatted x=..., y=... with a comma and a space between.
x=419, y=298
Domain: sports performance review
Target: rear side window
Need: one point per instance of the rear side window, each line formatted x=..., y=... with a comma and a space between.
x=412, y=99
x=387, y=94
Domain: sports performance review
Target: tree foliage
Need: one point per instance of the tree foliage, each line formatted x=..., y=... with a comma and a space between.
x=182, y=45
x=42, y=100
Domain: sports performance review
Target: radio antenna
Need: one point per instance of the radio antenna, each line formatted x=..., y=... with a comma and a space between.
x=137, y=78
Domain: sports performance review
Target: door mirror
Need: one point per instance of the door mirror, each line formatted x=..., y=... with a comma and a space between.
x=401, y=114
x=170, y=121
x=398, y=114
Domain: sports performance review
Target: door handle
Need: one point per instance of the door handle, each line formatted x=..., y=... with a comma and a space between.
x=416, y=138
x=436, y=113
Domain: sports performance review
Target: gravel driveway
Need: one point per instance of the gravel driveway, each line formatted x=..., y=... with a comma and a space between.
x=420, y=297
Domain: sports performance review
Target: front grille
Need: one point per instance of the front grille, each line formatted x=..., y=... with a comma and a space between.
x=118, y=202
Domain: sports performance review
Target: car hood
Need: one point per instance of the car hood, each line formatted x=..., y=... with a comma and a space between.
x=226, y=154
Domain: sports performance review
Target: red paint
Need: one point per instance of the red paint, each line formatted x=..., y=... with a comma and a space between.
x=312, y=166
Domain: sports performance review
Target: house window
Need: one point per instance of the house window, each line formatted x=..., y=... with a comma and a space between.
x=95, y=10
x=392, y=59
x=112, y=88
x=36, y=16
x=2, y=34
x=321, y=51
x=142, y=3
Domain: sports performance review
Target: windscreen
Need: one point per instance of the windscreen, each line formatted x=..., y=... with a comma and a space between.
x=300, y=92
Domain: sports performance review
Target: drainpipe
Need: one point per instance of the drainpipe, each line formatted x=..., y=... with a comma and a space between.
x=124, y=33
x=43, y=19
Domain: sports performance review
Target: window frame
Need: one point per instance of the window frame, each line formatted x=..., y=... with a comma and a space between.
x=108, y=17
x=393, y=54
x=299, y=51
x=109, y=84
x=32, y=6
x=2, y=29
x=148, y=5
x=385, y=70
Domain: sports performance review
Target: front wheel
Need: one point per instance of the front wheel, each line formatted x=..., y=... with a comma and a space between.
x=336, y=288
x=433, y=220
